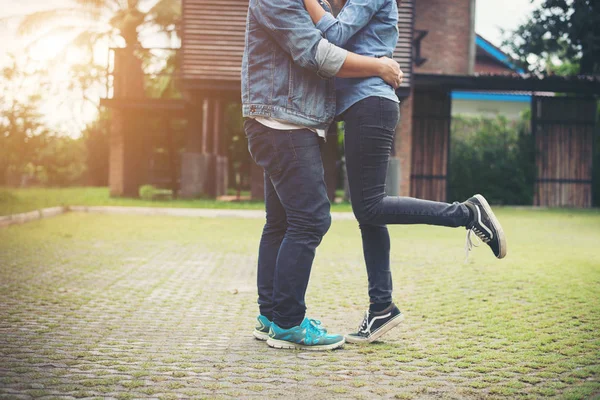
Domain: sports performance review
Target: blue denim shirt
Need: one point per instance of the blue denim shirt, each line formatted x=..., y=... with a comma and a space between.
x=369, y=28
x=287, y=65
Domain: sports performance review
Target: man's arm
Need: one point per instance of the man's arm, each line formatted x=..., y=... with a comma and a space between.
x=353, y=17
x=290, y=26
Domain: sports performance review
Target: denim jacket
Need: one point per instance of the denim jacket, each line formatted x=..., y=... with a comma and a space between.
x=368, y=28
x=287, y=65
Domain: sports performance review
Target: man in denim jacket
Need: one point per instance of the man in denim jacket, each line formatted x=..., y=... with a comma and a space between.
x=288, y=97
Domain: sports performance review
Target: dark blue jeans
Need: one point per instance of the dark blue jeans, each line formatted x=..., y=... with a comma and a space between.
x=298, y=216
x=370, y=129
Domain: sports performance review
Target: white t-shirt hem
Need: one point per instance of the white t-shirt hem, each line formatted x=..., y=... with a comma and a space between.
x=286, y=126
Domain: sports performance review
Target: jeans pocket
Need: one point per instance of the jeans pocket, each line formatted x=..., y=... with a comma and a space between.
x=390, y=113
x=264, y=152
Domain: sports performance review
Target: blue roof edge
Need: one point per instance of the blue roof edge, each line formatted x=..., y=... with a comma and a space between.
x=497, y=54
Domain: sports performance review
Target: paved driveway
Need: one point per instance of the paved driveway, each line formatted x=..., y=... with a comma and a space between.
x=163, y=307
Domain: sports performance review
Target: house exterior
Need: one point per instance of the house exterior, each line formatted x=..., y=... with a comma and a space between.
x=490, y=60
x=440, y=55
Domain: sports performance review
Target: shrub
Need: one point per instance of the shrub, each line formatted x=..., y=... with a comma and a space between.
x=494, y=157
x=96, y=138
x=146, y=192
x=150, y=193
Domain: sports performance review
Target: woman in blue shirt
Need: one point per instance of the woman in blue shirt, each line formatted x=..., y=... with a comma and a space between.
x=370, y=110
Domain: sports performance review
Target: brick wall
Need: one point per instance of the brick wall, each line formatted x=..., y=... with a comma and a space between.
x=404, y=144
x=448, y=47
x=483, y=66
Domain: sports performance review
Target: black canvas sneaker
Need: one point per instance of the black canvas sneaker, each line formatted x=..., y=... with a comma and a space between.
x=484, y=226
x=375, y=324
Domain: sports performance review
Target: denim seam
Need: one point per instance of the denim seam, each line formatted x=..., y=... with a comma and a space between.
x=272, y=75
x=276, y=153
x=289, y=134
x=363, y=178
x=291, y=84
x=246, y=98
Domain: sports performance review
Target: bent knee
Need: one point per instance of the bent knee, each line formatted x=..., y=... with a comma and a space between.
x=315, y=226
x=275, y=226
x=363, y=216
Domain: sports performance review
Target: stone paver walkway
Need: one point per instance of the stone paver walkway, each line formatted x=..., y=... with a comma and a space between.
x=97, y=306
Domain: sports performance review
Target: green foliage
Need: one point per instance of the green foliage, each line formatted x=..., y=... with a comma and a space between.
x=160, y=67
x=30, y=153
x=94, y=20
x=151, y=193
x=21, y=129
x=567, y=30
x=493, y=157
x=61, y=161
x=147, y=192
x=7, y=197
x=94, y=24
x=95, y=137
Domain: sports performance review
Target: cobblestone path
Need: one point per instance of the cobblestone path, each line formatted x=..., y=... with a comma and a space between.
x=97, y=306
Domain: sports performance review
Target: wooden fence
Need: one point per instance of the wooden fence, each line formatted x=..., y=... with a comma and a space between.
x=431, y=144
x=564, y=128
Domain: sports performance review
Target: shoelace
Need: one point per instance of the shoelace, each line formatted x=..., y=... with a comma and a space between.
x=469, y=243
x=316, y=327
x=364, y=325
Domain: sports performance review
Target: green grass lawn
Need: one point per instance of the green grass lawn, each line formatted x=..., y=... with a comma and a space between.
x=131, y=306
x=14, y=201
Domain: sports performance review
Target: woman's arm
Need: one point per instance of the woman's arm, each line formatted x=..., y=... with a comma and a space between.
x=315, y=10
x=353, y=17
x=356, y=66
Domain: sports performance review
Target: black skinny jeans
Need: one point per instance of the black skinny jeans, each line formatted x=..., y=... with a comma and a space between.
x=370, y=129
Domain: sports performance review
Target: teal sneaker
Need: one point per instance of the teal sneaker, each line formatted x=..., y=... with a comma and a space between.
x=261, y=330
x=309, y=335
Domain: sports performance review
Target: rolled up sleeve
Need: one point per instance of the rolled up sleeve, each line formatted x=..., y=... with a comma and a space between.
x=326, y=22
x=288, y=23
x=353, y=17
x=330, y=59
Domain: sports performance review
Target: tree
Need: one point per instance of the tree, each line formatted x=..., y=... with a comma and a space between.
x=21, y=128
x=115, y=23
x=29, y=151
x=494, y=157
x=561, y=37
x=120, y=22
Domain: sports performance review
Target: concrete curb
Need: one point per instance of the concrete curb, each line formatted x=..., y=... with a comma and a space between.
x=151, y=211
x=173, y=212
x=188, y=212
x=15, y=219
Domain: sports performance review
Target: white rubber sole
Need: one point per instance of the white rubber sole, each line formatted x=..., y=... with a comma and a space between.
x=260, y=335
x=281, y=344
x=388, y=326
x=496, y=223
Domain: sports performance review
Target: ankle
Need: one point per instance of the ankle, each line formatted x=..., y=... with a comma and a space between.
x=471, y=214
x=379, y=307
